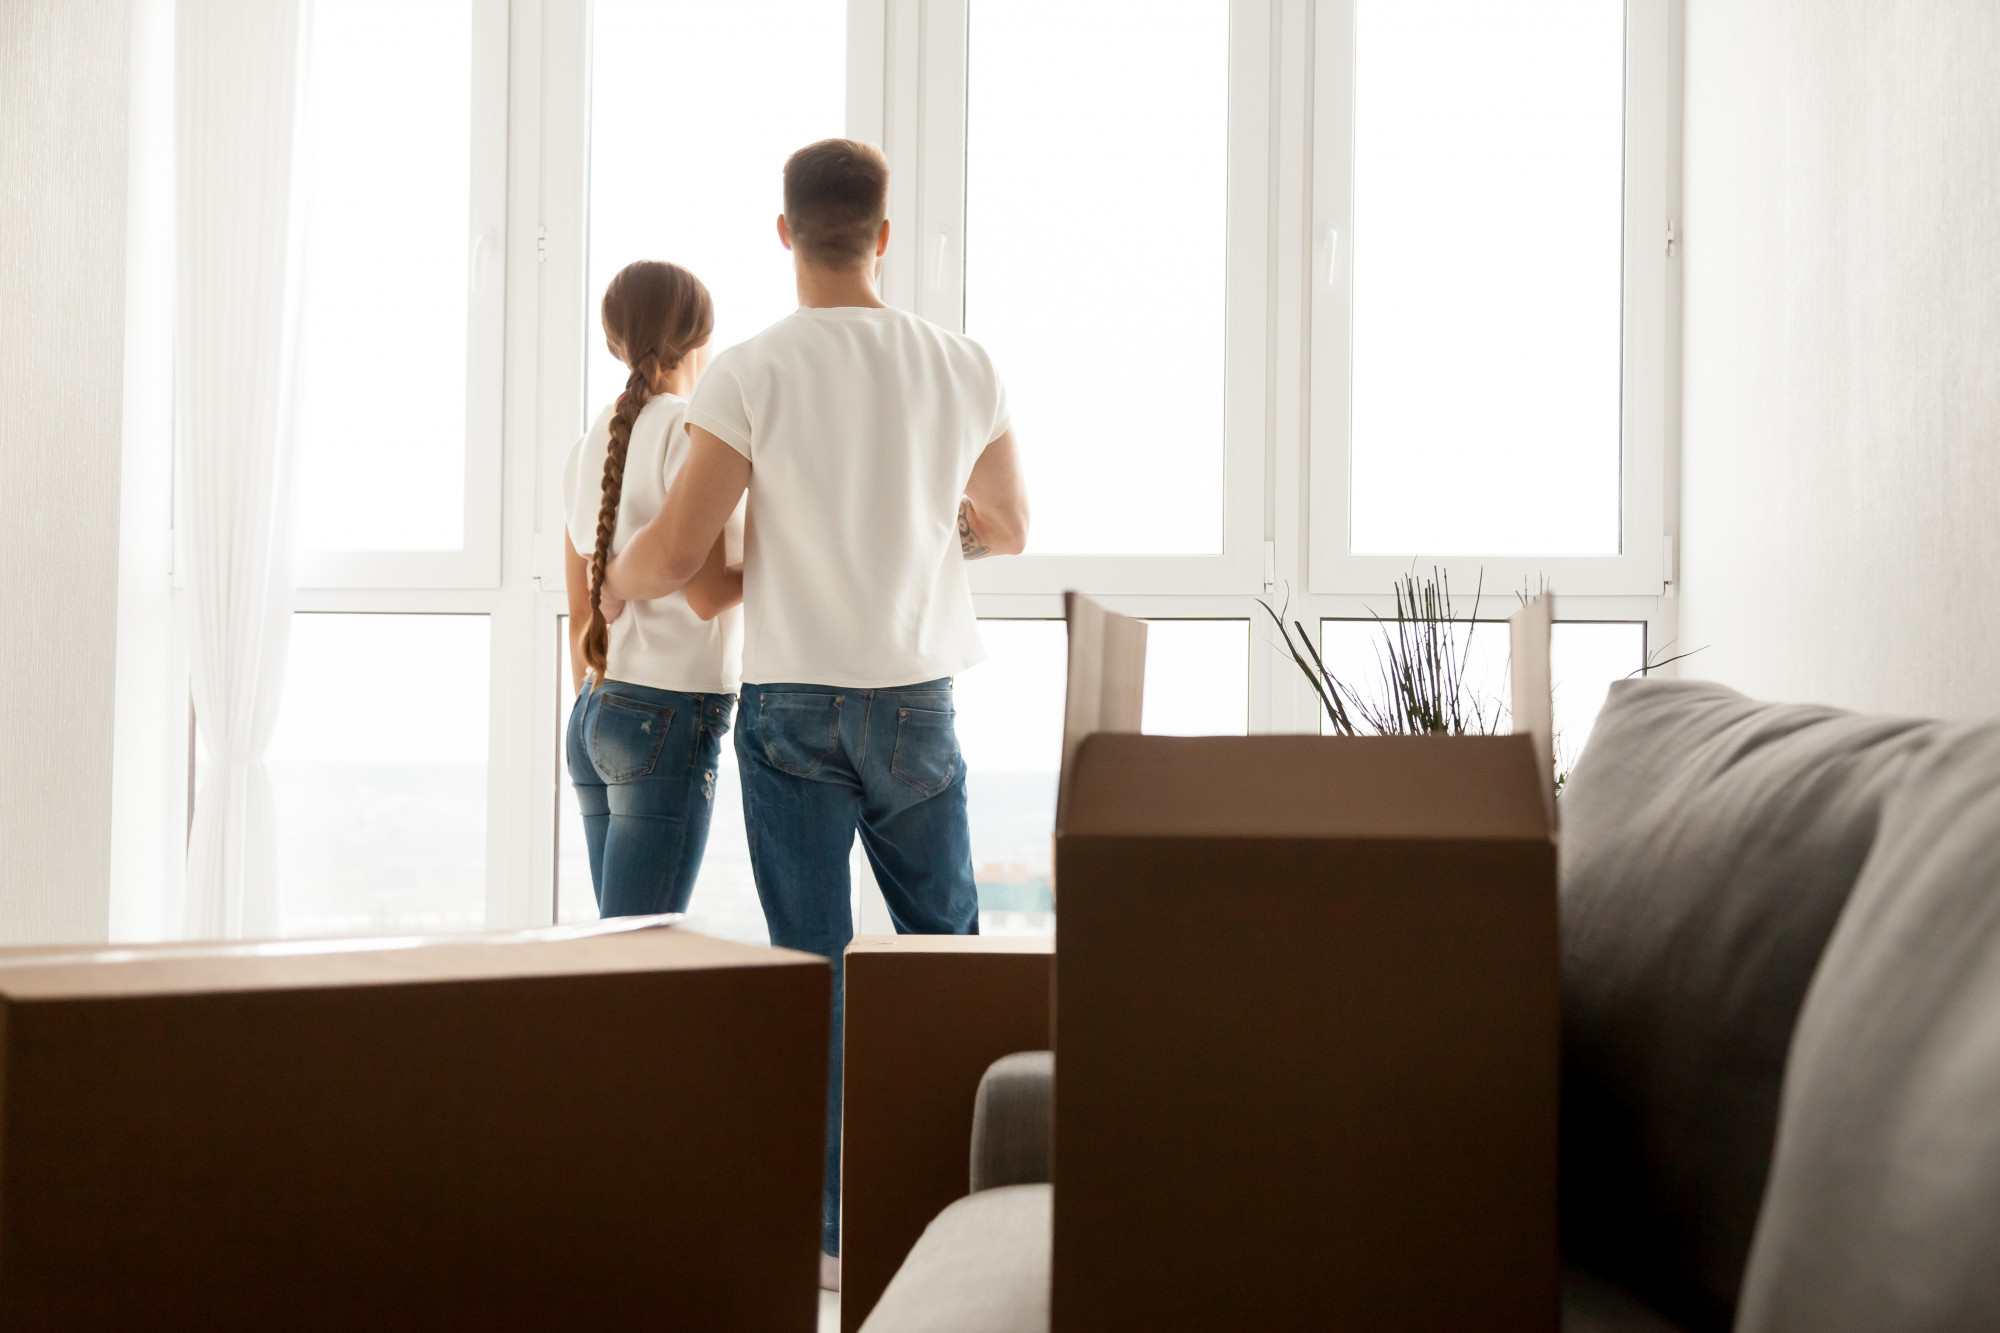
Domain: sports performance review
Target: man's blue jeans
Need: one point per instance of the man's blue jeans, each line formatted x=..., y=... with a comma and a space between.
x=643, y=761
x=820, y=762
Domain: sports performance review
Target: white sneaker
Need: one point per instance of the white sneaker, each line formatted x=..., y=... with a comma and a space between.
x=829, y=1272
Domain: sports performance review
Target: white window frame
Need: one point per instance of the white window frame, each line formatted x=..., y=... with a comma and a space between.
x=1638, y=567
x=1284, y=389
x=476, y=562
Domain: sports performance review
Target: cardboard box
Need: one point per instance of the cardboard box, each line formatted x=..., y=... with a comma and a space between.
x=1307, y=1038
x=517, y=1131
x=925, y=1015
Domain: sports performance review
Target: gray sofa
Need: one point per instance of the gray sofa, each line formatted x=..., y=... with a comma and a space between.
x=1781, y=1025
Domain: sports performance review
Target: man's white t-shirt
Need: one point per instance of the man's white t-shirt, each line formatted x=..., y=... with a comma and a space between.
x=861, y=426
x=661, y=643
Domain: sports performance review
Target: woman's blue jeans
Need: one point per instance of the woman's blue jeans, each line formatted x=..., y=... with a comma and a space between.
x=819, y=763
x=643, y=761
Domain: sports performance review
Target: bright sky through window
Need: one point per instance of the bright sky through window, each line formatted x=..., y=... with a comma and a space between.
x=382, y=385
x=1488, y=243
x=1096, y=209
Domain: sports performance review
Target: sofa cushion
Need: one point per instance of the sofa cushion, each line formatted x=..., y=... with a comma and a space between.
x=1884, y=1204
x=981, y=1266
x=1708, y=845
x=1011, y=1120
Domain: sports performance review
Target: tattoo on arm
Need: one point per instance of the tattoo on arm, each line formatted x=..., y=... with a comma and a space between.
x=968, y=540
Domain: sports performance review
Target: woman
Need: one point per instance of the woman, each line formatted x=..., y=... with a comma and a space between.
x=656, y=685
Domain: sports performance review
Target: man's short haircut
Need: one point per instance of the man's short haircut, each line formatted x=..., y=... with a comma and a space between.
x=836, y=195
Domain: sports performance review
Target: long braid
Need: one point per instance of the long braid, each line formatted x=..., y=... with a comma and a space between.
x=654, y=314
x=638, y=389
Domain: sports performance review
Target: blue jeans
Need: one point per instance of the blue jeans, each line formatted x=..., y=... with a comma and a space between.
x=643, y=761
x=818, y=763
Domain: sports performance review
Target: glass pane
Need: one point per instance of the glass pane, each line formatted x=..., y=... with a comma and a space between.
x=1488, y=198
x=379, y=766
x=1584, y=658
x=382, y=389
x=1010, y=730
x=1197, y=678
x=697, y=180
x=1096, y=203
x=1010, y=710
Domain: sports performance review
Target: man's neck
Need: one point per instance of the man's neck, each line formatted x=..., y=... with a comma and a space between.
x=821, y=287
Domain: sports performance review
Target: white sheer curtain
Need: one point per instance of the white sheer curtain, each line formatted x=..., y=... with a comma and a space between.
x=238, y=75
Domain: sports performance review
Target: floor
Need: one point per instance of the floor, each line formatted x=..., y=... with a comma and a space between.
x=829, y=1312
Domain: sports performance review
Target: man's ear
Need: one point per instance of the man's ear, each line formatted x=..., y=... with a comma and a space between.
x=882, y=241
x=784, y=233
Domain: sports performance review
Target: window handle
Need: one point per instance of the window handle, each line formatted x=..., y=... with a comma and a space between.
x=483, y=243
x=1332, y=255
x=937, y=263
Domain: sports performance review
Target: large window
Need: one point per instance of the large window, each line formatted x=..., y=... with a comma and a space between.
x=1291, y=300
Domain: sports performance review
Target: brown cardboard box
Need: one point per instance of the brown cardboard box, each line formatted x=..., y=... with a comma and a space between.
x=925, y=1015
x=1307, y=1038
x=618, y=1131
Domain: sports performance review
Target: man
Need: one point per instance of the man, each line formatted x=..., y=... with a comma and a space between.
x=878, y=458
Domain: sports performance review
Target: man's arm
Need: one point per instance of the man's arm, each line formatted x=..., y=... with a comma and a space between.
x=666, y=553
x=993, y=516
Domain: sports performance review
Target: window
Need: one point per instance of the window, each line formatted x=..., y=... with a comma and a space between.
x=1089, y=196
x=399, y=358
x=396, y=761
x=1290, y=300
x=1488, y=211
x=379, y=767
x=1082, y=124
x=1487, y=296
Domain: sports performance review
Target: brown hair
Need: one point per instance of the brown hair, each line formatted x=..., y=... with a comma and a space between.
x=654, y=314
x=836, y=195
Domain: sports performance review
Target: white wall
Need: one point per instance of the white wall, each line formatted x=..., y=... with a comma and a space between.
x=62, y=305
x=1841, y=455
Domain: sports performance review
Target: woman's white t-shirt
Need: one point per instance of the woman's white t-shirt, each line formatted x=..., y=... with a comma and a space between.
x=861, y=426
x=661, y=643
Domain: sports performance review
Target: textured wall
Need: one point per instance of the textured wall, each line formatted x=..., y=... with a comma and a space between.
x=1841, y=464
x=62, y=259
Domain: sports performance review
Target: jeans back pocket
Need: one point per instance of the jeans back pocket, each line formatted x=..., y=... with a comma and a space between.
x=926, y=755
x=626, y=737
x=800, y=731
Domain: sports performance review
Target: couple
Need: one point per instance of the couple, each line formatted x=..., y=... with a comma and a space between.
x=876, y=453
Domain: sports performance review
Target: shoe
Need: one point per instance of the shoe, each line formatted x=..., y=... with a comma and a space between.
x=829, y=1272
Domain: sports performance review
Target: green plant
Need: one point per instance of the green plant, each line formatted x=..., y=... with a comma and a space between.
x=1424, y=656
